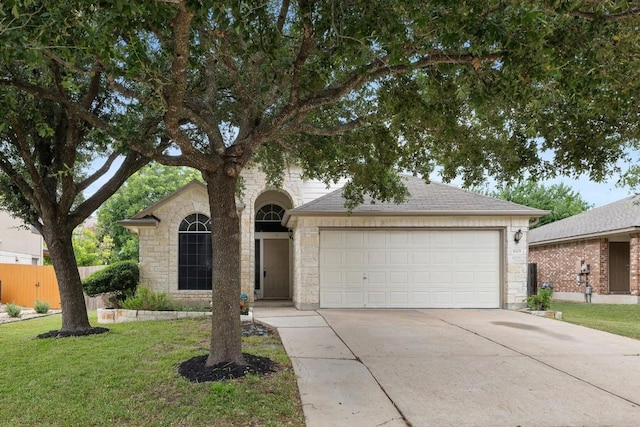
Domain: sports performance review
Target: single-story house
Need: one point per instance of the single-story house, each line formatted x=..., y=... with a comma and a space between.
x=600, y=247
x=443, y=247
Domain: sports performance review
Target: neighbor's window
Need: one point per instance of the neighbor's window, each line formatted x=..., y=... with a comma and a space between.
x=194, y=253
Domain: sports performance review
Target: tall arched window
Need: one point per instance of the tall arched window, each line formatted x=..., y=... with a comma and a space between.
x=194, y=253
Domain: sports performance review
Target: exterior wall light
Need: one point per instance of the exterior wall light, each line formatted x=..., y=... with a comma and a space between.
x=517, y=235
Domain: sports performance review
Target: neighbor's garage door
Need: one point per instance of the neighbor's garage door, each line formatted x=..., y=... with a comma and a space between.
x=410, y=268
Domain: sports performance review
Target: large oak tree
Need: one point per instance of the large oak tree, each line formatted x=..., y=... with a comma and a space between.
x=63, y=128
x=366, y=88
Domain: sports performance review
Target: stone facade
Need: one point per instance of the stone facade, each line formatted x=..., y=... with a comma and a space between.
x=159, y=237
x=159, y=244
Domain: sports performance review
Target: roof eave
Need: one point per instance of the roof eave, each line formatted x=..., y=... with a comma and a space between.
x=528, y=214
x=136, y=224
x=588, y=236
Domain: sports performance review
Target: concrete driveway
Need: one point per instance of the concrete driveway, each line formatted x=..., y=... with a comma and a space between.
x=458, y=368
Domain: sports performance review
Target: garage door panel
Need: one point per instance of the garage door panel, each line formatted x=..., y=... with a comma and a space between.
x=353, y=277
x=376, y=278
x=410, y=268
x=377, y=257
x=399, y=257
x=398, y=278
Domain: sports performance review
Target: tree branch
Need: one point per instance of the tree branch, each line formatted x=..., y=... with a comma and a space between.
x=330, y=131
x=282, y=16
x=303, y=53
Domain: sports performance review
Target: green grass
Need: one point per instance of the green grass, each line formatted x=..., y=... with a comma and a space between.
x=618, y=319
x=128, y=377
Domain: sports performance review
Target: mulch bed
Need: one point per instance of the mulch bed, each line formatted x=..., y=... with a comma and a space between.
x=195, y=369
x=66, y=334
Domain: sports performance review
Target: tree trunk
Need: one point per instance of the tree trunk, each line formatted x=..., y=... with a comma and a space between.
x=74, y=309
x=226, y=335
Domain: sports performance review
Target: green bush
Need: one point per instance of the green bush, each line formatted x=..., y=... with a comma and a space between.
x=41, y=307
x=120, y=278
x=146, y=299
x=540, y=301
x=13, y=310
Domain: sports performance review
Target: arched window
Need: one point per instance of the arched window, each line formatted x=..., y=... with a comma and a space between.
x=194, y=253
x=269, y=219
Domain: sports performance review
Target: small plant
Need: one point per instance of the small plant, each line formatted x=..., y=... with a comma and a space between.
x=120, y=279
x=13, y=310
x=146, y=299
x=540, y=301
x=244, y=304
x=41, y=307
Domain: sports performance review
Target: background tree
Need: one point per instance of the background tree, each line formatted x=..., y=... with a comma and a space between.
x=149, y=185
x=365, y=88
x=559, y=199
x=89, y=249
x=62, y=128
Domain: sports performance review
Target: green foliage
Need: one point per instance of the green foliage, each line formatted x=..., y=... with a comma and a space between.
x=541, y=300
x=120, y=278
x=13, y=310
x=559, y=199
x=149, y=185
x=41, y=307
x=89, y=250
x=146, y=299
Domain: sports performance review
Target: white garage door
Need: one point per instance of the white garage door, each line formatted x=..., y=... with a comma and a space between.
x=410, y=268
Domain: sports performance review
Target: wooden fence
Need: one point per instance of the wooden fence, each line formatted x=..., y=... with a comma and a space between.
x=24, y=284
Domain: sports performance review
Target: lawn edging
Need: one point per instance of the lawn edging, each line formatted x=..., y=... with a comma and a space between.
x=119, y=315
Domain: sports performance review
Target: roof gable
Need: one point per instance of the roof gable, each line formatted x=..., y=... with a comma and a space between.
x=423, y=199
x=619, y=216
x=149, y=211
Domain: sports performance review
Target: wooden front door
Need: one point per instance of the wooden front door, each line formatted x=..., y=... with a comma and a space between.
x=619, y=267
x=275, y=269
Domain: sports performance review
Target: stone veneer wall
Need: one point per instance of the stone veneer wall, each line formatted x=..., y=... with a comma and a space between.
x=306, y=244
x=159, y=245
x=559, y=264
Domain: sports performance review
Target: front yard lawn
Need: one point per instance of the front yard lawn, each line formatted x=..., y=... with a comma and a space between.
x=128, y=377
x=618, y=319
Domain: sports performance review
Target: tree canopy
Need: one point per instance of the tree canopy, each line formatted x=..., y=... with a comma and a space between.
x=364, y=89
x=63, y=127
x=361, y=90
x=559, y=199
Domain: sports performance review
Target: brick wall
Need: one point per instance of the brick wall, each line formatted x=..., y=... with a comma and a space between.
x=559, y=264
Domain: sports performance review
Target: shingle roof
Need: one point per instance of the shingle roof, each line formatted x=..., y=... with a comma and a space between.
x=425, y=199
x=619, y=216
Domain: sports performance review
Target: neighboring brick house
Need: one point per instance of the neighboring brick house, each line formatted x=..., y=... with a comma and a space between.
x=606, y=239
x=443, y=247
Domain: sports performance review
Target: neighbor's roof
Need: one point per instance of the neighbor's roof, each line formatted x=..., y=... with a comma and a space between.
x=617, y=217
x=424, y=199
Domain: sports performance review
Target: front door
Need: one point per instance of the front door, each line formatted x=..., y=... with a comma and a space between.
x=619, y=267
x=275, y=269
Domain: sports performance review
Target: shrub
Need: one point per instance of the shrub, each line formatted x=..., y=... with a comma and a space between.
x=13, y=310
x=120, y=278
x=41, y=307
x=540, y=301
x=146, y=299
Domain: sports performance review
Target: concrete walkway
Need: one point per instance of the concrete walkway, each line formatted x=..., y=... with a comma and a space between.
x=458, y=368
